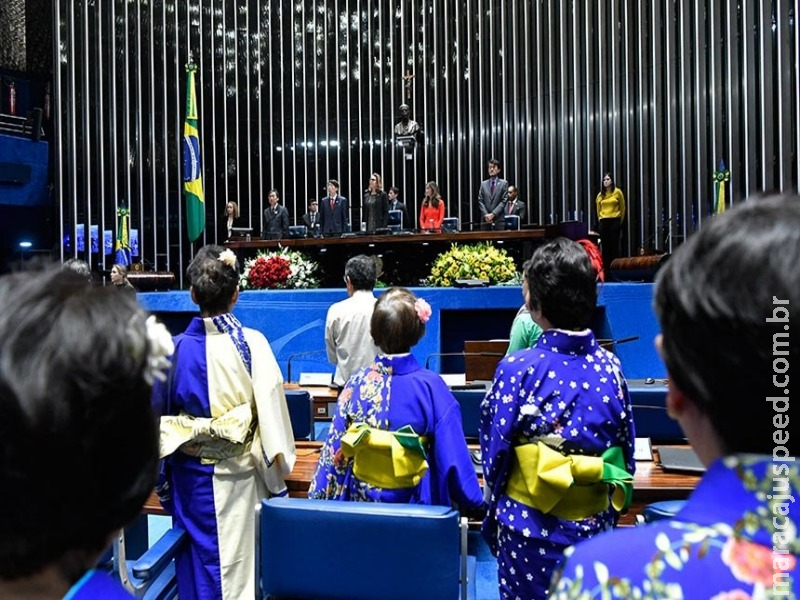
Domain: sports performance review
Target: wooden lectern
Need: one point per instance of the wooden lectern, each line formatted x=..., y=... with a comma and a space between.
x=481, y=358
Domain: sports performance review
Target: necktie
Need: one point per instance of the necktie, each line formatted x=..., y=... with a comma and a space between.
x=333, y=203
x=511, y=207
x=494, y=181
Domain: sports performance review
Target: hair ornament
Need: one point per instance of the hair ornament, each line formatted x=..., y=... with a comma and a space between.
x=423, y=310
x=160, y=348
x=228, y=257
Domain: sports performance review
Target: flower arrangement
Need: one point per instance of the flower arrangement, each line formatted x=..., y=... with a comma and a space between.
x=284, y=269
x=472, y=261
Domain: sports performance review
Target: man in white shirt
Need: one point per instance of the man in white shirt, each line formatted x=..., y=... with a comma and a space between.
x=347, y=337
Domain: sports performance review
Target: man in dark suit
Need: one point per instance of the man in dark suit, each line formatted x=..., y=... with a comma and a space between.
x=514, y=206
x=311, y=218
x=395, y=204
x=276, y=219
x=492, y=197
x=333, y=215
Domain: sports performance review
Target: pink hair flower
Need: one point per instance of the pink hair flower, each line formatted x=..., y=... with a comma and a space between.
x=423, y=310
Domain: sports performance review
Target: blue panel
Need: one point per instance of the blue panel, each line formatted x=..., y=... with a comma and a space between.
x=23, y=151
x=294, y=321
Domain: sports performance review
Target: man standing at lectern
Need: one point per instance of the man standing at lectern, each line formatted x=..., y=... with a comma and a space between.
x=492, y=197
x=515, y=206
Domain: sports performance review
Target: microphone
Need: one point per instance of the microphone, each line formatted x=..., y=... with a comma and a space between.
x=617, y=342
x=298, y=355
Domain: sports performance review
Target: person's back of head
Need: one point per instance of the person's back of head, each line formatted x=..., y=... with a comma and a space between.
x=79, y=267
x=725, y=301
x=562, y=284
x=361, y=272
x=398, y=321
x=214, y=278
x=80, y=441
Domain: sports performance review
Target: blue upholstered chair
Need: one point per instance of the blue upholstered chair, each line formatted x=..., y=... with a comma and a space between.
x=361, y=551
x=301, y=413
x=152, y=575
x=470, y=404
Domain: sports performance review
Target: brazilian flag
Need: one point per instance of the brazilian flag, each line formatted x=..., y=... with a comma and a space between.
x=721, y=177
x=123, y=247
x=192, y=166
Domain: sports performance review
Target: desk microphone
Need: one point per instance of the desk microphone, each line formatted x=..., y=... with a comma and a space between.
x=298, y=355
x=462, y=354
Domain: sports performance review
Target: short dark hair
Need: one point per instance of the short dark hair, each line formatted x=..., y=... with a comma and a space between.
x=362, y=272
x=395, y=326
x=713, y=299
x=334, y=183
x=79, y=267
x=562, y=284
x=72, y=387
x=395, y=189
x=213, y=281
x=494, y=162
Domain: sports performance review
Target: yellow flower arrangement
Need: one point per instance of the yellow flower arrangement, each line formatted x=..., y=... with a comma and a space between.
x=472, y=261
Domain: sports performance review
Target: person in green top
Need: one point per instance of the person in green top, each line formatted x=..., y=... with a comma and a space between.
x=524, y=330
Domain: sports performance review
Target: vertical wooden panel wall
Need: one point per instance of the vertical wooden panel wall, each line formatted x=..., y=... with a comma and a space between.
x=292, y=94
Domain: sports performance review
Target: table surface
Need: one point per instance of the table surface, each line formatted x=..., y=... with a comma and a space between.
x=650, y=483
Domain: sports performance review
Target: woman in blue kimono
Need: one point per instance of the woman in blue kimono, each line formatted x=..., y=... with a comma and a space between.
x=397, y=434
x=225, y=435
x=556, y=415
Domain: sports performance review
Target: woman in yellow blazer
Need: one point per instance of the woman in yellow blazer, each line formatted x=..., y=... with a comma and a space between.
x=610, y=214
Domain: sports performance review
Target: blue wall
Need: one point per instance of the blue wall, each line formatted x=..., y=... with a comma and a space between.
x=294, y=321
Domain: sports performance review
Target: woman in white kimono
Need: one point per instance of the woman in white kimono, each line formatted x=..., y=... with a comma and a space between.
x=226, y=437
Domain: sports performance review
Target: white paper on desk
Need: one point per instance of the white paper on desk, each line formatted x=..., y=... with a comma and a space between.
x=642, y=450
x=319, y=379
x=452, y=379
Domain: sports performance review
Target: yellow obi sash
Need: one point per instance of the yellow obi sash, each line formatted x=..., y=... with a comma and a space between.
x=212, y=439
x=571, y=487
x=387, y=459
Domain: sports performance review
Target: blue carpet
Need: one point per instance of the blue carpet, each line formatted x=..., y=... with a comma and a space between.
x=485, y=568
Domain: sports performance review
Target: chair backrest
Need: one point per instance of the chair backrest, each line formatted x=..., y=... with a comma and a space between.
x=308, y=549
x=395, y=220
x=512, y=221
x=649, y=403
x=450, y=224
x=301, y=413
x=470, y=403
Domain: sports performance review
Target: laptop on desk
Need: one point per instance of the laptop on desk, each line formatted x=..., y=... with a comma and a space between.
x=675, y=458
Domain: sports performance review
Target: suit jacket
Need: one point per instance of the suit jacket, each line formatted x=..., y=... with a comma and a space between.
x=489, y=202
x=311, y=219
x=336, y=219
x=276, y=222
x=375, y=214
x=224, y=235
x=519, y=208
x=397, y=205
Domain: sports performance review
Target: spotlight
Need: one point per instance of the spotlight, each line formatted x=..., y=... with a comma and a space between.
x=25, y=245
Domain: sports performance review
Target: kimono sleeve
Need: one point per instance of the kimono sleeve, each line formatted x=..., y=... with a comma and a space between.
x=273, y=446
x=452, y=459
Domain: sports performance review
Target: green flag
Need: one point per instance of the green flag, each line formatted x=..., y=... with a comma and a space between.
x=192, y=166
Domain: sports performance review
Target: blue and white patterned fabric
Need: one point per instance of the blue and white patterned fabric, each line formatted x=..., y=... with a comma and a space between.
x=569, y=393
x=735, y=539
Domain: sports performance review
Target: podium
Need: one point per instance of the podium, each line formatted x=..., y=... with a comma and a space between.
x=481, y=358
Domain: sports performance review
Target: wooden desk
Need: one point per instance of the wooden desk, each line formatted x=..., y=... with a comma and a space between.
x=407, y=257
x=650, y=483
